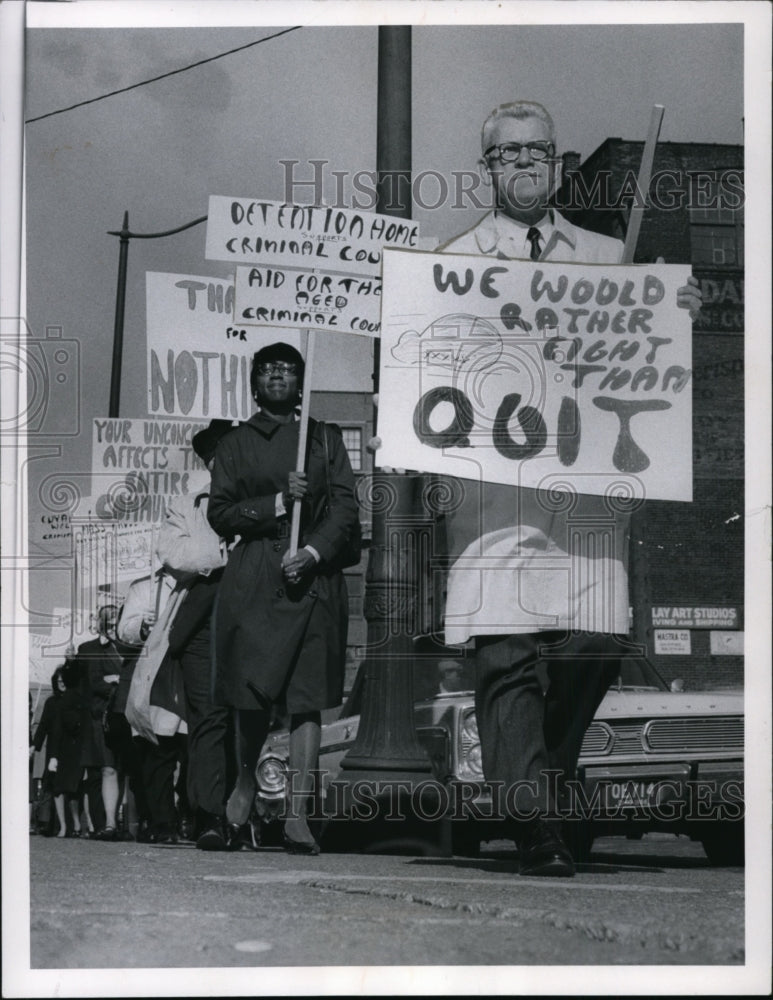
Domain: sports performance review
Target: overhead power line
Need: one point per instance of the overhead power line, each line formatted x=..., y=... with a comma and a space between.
x=182, y=69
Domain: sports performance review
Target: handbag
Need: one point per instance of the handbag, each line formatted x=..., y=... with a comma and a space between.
x=351, y=552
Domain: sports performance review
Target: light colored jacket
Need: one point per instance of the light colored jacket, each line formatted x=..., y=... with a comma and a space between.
x=567, y=243
x=523, y=562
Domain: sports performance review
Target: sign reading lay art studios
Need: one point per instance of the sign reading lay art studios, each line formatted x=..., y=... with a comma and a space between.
x=557, y=376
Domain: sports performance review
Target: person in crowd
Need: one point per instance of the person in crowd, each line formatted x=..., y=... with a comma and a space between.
x=523, y=734
x=98, y=663
x=450, y=676
x=281, y=618
x=154, y=705
x=70, y=732
x=44, y=735
x=193, y=554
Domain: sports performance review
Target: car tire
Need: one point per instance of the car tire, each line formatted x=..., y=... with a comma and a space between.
x=724, y=844
x=465, y=839
x=578, y=835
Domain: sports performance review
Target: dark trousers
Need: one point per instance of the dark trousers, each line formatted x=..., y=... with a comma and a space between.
x=524, y=733
x=209, y=732
x=92, y=786
x=157, y=765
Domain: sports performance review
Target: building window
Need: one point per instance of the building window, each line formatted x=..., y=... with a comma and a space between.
x=353, y=442
x=716, y=218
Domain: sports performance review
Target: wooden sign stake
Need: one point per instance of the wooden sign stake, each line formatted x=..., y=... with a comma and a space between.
x=642, y=185
x=295, y=525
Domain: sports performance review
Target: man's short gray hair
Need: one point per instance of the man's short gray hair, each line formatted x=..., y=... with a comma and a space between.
x=515, y=109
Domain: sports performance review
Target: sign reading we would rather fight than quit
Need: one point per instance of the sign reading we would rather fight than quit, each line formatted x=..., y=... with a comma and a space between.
x=569, y=377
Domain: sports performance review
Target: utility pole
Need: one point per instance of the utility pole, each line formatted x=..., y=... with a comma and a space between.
x=386, y=747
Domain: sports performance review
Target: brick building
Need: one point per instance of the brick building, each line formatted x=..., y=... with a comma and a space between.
x=687, y=570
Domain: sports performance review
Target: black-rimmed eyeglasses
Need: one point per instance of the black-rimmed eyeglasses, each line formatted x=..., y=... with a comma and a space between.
x=508, y=152
x=277, y=368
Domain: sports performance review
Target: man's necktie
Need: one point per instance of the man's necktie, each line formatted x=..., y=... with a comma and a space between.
x=533, y=236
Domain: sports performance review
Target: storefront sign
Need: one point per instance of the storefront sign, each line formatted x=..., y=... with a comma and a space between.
x=722, y=309
x=670, y=642
x=691, y=617
x=726, y=643
x=558, y=376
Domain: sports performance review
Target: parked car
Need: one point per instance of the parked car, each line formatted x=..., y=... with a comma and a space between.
x=653, y=758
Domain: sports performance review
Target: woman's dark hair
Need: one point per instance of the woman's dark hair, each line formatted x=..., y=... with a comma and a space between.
x=70, y=675
x=276, y=352
x=57, y=675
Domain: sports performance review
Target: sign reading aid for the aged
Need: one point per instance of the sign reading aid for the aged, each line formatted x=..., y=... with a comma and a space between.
x=309, y=299
x=557, y=376
x=198, y=357
x=250, y=230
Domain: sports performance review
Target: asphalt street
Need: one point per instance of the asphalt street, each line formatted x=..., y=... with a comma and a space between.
x=655, y=901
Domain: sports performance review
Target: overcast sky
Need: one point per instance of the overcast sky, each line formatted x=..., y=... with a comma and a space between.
x=160, y=150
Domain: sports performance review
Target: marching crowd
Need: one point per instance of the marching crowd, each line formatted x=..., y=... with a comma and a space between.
x=236, y=627
x=173, y=700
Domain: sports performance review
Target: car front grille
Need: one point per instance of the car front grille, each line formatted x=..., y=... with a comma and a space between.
x=720, y=733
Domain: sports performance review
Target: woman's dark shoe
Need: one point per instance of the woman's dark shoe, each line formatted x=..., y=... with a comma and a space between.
x=109, y=833
x=300, y=846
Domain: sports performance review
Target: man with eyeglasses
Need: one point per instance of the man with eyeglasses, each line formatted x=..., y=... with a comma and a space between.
x=567, y=611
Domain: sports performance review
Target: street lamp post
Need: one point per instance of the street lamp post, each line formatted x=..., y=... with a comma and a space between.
x=125, y=234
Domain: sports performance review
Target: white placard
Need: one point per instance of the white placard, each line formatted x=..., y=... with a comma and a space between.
x=313, y=300
x=670, y=642
x=558, y=376
x=251, y=230
x=198, y=358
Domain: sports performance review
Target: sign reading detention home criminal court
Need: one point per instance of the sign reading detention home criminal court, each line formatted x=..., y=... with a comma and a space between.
x=538, y=374
x=250, y=230
x=309, y=299
x=198, y=358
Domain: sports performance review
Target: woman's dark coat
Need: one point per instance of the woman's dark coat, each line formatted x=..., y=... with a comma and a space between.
x=266, y=631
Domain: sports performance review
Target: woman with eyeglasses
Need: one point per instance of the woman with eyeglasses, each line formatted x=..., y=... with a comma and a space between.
x=281, y=620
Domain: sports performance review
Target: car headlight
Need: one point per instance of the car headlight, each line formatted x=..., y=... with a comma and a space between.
x=272, y=775
x=471, y=759
x=470, y=727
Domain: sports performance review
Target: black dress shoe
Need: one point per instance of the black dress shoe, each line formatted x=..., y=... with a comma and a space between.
x=542, y=852
x=212, y=836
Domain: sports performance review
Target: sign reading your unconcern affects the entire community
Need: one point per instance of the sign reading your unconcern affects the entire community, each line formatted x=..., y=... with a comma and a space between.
x=538, y=374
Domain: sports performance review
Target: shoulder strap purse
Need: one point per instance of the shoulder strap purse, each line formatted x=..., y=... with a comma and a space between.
x=351, y=552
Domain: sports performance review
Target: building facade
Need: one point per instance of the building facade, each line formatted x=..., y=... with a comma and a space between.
x=687, y=559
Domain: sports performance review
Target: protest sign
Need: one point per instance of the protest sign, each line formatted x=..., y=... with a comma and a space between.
x=569, y=377
x=136, y=463
x=248, y=230
x=310, y=299
x=198, y=358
